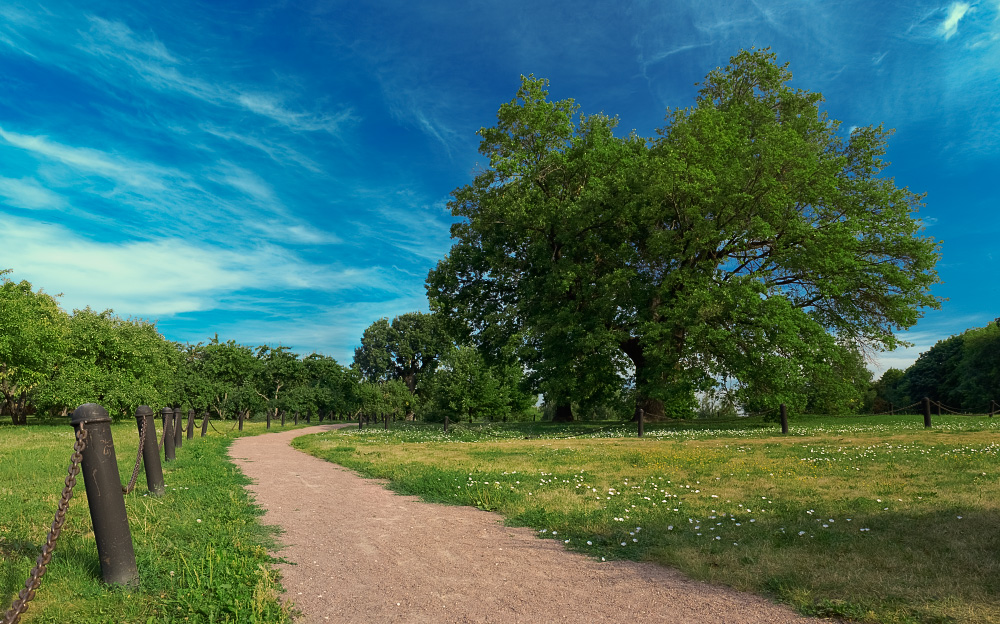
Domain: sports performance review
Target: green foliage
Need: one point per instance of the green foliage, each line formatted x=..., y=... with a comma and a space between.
x=404, y=349
x=738, y=247
x=278, y=373
x=118, y=363
x=890, y=392
x=961, y=371
x=33, y=329
x=385, y=397
x=465, y=387
x=227, y=371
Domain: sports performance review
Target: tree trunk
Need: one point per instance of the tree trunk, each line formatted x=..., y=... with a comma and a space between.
x=653, y=408
x=410, y=379
x=564, y=413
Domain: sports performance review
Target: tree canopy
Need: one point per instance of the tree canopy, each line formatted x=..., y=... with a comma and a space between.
x=404, y=349
x=742, y=247
x=33, y=330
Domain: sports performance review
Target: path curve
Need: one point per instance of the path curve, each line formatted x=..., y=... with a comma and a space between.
x=364, y=554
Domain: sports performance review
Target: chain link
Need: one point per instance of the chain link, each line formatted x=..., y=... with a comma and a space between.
x=138, y=460
x=20, y=605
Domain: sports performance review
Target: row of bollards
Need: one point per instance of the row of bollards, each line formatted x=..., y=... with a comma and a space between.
x=105, y=494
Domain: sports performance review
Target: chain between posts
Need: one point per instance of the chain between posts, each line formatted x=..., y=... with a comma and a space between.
x=126, y=489
x=20, y=605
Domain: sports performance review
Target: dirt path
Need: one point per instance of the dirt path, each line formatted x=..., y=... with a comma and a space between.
x=364, y=554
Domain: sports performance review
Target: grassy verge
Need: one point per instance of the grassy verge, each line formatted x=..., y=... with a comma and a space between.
x=872, y=519
x=200, y=549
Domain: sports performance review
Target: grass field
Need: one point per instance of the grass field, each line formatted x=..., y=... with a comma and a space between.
x=200, y=549
x=874, y=519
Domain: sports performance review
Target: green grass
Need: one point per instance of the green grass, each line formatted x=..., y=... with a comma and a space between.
x=873, y=519
x=215, y=570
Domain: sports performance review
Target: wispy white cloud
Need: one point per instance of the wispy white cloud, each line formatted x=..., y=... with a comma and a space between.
x=164, y=199
x=956, y=12
x=281, y=154
x=121, y=170
x=30, y=194
x=123, y=52
x=165, y=276
x=162, y=70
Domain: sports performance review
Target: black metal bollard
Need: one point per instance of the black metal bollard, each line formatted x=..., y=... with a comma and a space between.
x=642, y=418
x=104, y=496
x=309, y=417
x=784, y=418
x=241, y=420
x=169, y=454
x=178, y=429
x=927, y=412
x=190, y=433
x=204, y=423
x=282, y=418
x=145, y=419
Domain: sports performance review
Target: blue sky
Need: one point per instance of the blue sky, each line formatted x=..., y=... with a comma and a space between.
x=278, y=172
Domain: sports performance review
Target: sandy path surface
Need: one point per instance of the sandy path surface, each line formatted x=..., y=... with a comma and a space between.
x=364, y=554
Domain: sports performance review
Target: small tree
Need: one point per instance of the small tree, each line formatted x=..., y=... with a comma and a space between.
x=33, y=330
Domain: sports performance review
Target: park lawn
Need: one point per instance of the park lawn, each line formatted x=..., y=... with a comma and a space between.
x=200, y=549
x=873, y=519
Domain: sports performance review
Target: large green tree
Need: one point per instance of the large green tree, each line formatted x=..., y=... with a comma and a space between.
x=404, y=349
x=740, y=247
x=33, y=330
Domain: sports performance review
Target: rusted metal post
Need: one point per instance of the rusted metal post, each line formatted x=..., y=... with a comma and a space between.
x=927, y=412
x=104, y=496
x=642, y=418
x=190, y=424
x=169, y=454
x=204, y=423
x=178, y=429
x=784, y=418
x=145, y=419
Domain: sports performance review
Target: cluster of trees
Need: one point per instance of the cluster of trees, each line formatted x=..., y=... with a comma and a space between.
x=962, y=372
x=748, y=249
x=443, y=377
x=51, y=362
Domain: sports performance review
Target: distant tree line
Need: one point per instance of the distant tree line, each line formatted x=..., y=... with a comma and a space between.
x=52, y=361
x=962, y=372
